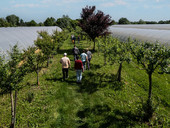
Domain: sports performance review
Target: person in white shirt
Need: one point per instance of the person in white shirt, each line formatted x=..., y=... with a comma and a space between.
x=65, y=61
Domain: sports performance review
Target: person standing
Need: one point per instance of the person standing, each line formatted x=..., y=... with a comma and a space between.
x=84, y=59
x=89, y=56
x=75, y=52
x=79, y=69
x=78, y=39
x=65, y=61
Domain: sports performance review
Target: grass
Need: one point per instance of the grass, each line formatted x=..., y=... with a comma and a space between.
x=98, y=102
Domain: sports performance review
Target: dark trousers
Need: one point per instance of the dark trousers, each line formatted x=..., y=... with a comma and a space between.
x=88, y=63
x=65, y=73
x=75, y=57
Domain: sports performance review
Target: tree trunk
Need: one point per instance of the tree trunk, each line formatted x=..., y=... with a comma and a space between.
x=15, y=106
x=105, y=56
x=37, y=75
x=48, y=60
x=119, y=73
x=94, y=45
x=12, y=111
x=149, y=110
x=150, y=87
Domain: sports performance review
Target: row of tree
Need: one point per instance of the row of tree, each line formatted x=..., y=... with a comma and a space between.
x=20, y=63
x=149, y=56
x=94, y=24
x=13, y=21
x=126, y=21
x=64, y=22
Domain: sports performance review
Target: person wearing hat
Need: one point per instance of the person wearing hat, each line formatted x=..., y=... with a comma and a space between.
x=65, y=61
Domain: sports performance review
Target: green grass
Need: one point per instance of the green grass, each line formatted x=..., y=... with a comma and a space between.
x=98, y=102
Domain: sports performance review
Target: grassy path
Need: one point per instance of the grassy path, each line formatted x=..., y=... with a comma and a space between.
x=98, y=102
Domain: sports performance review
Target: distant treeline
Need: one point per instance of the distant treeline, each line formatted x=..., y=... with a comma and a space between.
x=126, y=21
x=15, y=21
x=64, y=22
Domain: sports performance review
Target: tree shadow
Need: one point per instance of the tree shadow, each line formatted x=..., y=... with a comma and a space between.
x=103, y=117
x=89, y=83
x=94, y=66
x=120, y=119
x=92, y=81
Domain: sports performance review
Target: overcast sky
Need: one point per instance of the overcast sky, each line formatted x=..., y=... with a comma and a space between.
x=133, y=10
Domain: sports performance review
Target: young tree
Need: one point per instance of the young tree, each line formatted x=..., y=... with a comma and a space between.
x=119, y=53
x=34, y=60
x=46, y=44
x=12, y=74
x=95, y=24
x=58, y=38
x=150, y=57
x=104, y=45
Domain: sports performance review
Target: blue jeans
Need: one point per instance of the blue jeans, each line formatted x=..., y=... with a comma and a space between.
x=79, y=75
x=84, y=65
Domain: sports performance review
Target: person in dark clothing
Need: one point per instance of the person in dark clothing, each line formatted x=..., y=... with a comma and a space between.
x=79, y=69
x=75, y=52
x=78, y=39
x=89, y=56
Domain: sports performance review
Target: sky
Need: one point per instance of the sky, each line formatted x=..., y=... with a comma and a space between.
x=40, y=10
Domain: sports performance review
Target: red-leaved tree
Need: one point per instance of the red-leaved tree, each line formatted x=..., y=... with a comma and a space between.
x=94, y=23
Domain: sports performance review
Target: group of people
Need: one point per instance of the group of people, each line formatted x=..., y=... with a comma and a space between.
x=79, y=65
x=73, y=38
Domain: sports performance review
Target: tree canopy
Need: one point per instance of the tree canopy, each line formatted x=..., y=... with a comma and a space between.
x=95, y=24
x=123, y=21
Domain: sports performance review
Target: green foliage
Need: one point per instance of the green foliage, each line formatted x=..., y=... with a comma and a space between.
x=31, y=23
x=99, y=102
x=151, y=56
x=34, y=60
x=66, y=23
x=123, y=21
x=4, y=23
x=45, y=43
x=49, y=21
x=13, y=20
x=116, y=51
x=12, y=72
x=59, y=38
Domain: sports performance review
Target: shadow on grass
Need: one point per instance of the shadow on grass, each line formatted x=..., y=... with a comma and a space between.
x=95, y=66
x=71, y=80
x=103, y=117
x=89, y=83
x=92, y=81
